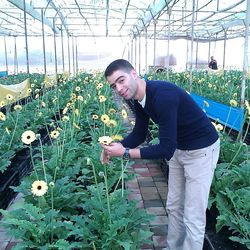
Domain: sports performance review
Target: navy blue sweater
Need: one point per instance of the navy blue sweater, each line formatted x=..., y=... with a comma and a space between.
x=182, y=123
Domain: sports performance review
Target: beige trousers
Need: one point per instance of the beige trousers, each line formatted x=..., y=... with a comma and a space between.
x=190, y=177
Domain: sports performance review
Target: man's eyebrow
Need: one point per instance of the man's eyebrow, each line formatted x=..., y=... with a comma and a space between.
x=112, y=84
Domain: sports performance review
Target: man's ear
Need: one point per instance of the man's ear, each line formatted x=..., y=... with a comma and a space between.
x=134, y=74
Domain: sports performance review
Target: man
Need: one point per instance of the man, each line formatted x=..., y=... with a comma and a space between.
x=213, y=63
x=187, y=139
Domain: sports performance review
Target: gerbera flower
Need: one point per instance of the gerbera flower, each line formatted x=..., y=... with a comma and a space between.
x=77, y=112
x=65, y=110
x=105, y=119
x=95, y=117
x=80, y=98
x=39, y=188
x=233, y=103
x=28, y=137
x=117, y=137
x=2, y=103
x=106, y=140
x=17, y=107
x=112, y=124
x=112, y=111
x=102, y=98
x=77, y=88
x=2, y=116
x=99, y=86
x=65, y=118
x=124, y=114
x=54, y=134
x=9, y=97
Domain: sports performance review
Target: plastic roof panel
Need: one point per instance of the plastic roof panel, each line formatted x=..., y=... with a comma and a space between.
x=114, y=18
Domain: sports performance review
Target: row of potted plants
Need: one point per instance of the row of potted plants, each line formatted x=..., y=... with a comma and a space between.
x=70, y=200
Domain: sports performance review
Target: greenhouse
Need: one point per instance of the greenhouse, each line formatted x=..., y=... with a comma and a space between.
x=124, y=124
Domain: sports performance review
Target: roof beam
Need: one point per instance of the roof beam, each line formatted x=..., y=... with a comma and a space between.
x=32, y=12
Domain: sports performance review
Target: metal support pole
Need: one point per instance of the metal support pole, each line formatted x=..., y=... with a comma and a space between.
x=209, y=50
x=168, y=57
x=15, y=57
x=62, y=48
x=68, y=53
x=187, y=55
x=224, y=50
x=77, y=69
x=146, y=51
x=155, y=22
x=245, y=59
x=55, y=53
x=196, y=56
x=44, y=51
x=139, y=54
x=135, y=64
x=192, y=46
x=132, y=50
x=6, y=57
x=26, y=37
x=73, y=55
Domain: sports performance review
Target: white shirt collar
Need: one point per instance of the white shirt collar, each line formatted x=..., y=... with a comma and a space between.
x=143, y=101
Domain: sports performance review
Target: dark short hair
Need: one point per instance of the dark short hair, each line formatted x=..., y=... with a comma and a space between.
x=119, y=64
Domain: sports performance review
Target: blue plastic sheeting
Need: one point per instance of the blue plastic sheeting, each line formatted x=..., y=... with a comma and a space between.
x=3, y=73
x=229, y=116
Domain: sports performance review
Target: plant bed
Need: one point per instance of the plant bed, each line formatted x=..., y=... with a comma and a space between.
x=220, y=240
x=7, y=179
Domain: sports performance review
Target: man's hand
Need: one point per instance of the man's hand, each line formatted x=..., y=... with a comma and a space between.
x=113, y=149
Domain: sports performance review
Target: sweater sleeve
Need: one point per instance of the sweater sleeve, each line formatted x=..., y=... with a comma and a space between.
x=166, y=110
x=140, y=130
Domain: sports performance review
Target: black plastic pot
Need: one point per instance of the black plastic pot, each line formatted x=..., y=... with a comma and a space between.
x=7, y=179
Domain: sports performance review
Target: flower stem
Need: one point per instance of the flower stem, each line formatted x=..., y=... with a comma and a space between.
x=44, y=172
x=107, y=192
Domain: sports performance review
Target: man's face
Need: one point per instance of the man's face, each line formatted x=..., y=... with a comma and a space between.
x=124, y=83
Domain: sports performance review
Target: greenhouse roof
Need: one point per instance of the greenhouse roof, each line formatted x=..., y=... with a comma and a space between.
x=212, y=19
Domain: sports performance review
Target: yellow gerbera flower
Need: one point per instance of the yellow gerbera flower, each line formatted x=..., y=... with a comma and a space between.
x=65, y=118
x=117, y=137
x=39, y=188
x=80, y=98
x=124, y=114
x=112, y=123
x=99, y=86
x=9, y=97
x=28, y=137
x=102, y=98
x=77, y=112
x=54, y=134
x=105, y=119
x=105, y=140
x=112, y=111
x=65, y=110
x=17, y=107
x=233, y=103
x=2, y=116
x=2, y=103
